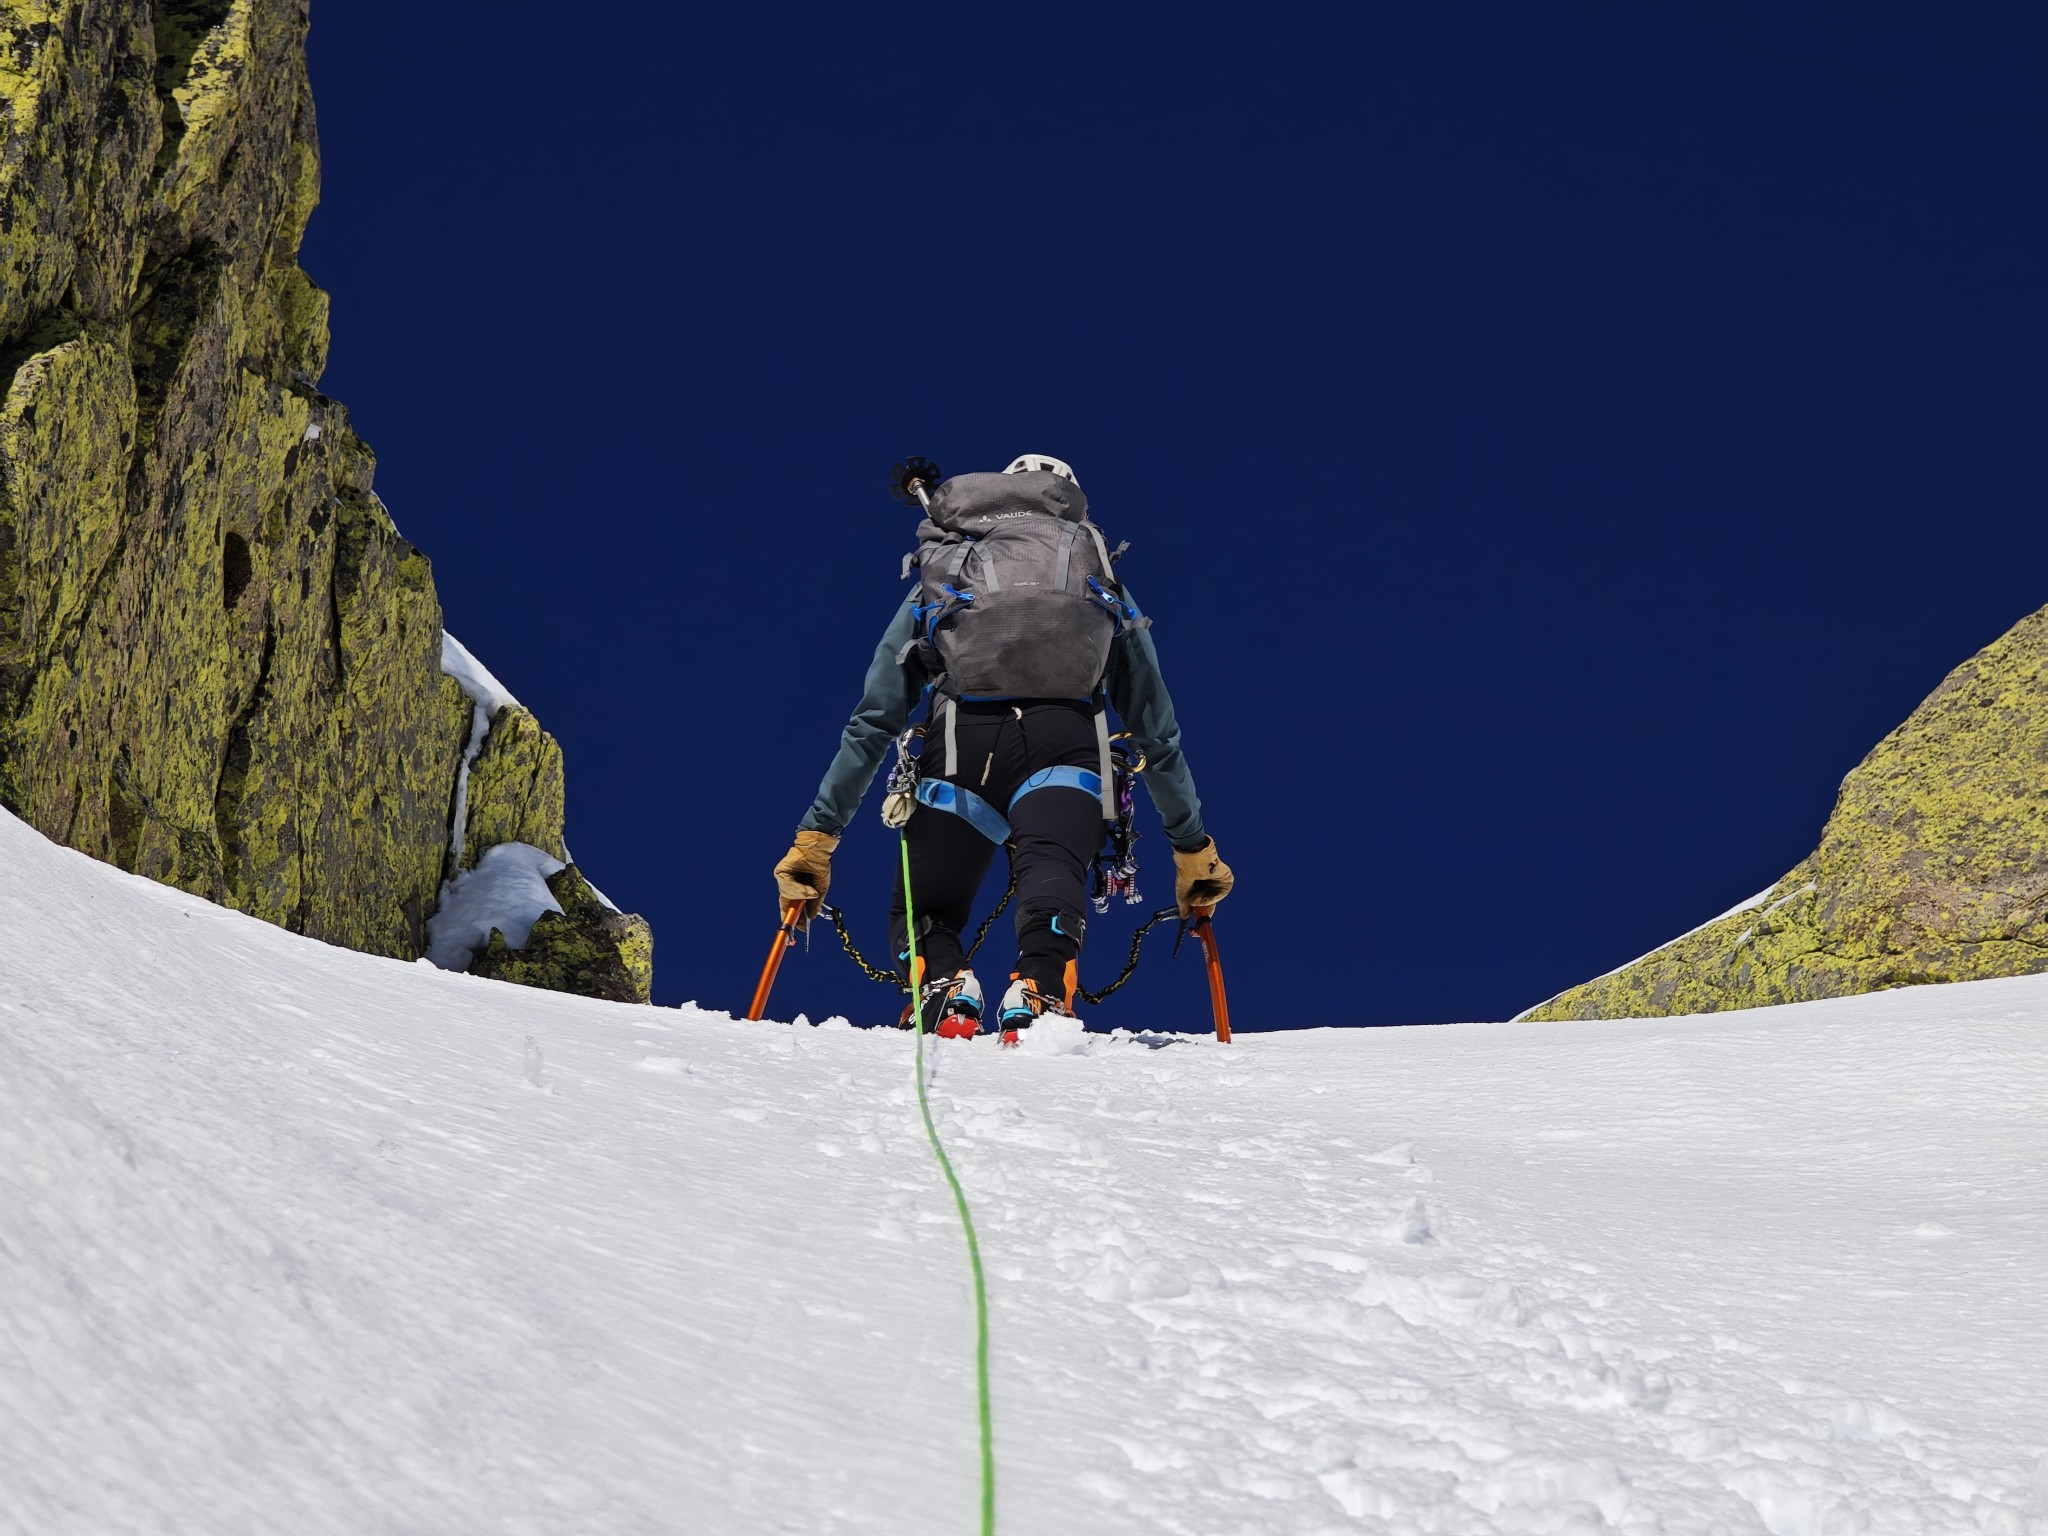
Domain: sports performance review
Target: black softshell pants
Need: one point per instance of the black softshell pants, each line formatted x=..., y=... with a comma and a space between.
x=1055, y=832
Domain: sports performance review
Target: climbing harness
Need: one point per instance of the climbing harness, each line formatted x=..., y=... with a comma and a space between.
x=931, y=1131
x=1113, y=875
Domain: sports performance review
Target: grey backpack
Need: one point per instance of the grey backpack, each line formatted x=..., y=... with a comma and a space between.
x=1017, y=599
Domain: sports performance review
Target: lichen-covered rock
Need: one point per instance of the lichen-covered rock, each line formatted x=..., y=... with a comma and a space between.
x=1933, y=867
x=219, y=661
x=80, y=129
x=515, y=789
x=586, y=948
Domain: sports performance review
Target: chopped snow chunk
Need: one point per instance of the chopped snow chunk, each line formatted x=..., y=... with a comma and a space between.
x=508, y=891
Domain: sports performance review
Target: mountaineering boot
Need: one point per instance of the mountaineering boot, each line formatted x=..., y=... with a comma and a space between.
x=1024, y=1005
x=951, y=1005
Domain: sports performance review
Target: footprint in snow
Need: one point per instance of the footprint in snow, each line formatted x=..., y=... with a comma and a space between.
x=1411, y=1226
x=531, y=1066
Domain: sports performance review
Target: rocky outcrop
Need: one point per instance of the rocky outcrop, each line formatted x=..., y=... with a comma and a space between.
x=1933, y=867
x=586, y=947
x=219, y=660
x=515, y=789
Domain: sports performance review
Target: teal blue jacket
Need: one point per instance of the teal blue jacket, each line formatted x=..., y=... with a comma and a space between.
x=1136, y=691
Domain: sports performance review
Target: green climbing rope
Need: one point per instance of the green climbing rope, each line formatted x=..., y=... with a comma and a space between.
x=931, y=1131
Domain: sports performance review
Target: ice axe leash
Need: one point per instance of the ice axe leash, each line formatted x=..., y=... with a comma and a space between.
x=931, y=1131
x=785, y=940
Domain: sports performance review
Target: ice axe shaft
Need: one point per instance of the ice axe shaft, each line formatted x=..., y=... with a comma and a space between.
x=1219, y=1003
x=785, y=940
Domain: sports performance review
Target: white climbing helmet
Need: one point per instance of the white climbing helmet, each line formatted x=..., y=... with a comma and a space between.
x=1028, y=463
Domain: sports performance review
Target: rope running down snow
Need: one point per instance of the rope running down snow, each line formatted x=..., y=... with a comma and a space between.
x=931, y=1131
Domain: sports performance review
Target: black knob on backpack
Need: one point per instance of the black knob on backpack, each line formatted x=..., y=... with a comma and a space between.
x=911, y=470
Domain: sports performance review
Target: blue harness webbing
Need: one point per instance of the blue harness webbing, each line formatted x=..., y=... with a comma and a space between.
x=1087, y=780
x=957, y=800
x=965, y=803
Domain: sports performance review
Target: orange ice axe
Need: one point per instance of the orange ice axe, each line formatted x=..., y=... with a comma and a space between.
x=1204, y=925
x=785, y=940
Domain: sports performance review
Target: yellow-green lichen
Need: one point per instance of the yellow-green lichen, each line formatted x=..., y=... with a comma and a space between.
x=586, y=948
x=204, y=56
x=219, y=661
x=515, y=789
x=31, y=50
x=1933, y=867
x=79, y=130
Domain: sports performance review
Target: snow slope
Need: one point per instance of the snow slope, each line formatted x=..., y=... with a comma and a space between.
x=293, y=1239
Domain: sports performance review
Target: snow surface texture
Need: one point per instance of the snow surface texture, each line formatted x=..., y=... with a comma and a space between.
x=295, y=1239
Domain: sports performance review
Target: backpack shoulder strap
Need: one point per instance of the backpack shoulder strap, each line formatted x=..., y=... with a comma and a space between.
x=1066, y=560
x=991, y=579
x=1102, y=552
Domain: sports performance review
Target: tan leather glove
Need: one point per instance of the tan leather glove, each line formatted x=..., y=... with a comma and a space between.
x=1200, y=878
x=805, y=873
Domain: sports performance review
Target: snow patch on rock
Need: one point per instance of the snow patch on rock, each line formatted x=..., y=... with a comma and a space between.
x=508, y=891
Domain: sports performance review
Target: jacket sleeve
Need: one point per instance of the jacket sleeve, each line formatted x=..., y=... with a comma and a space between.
x=888, y=697
x=1146, y=709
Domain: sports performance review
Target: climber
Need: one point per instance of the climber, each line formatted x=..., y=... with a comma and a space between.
x=1017, y=635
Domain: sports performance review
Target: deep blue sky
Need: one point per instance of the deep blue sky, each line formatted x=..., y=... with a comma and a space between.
x=1556, y=442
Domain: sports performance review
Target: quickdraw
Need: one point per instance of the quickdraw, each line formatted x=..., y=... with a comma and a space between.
x=899, y=798
x=1115, y=870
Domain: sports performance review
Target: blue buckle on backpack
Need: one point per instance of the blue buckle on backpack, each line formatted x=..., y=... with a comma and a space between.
x=926, y=616
x=1123, y=612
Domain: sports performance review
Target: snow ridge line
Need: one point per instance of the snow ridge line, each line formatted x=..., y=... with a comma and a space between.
x=931, y=1132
